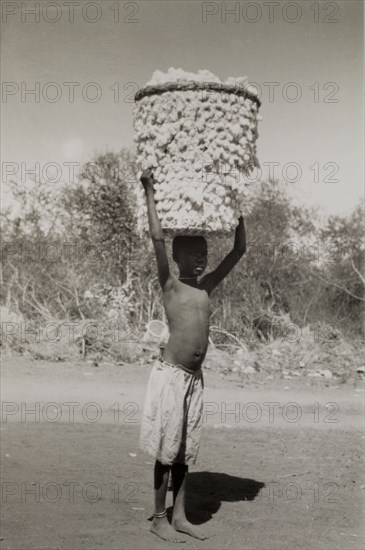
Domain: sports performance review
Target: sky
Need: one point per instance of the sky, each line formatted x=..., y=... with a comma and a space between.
x=85, y=61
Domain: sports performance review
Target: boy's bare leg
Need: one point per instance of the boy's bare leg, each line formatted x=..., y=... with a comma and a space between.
x=161, y=526
x=179, y=521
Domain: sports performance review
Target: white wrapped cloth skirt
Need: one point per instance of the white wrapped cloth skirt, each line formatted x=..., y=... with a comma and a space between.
x=173, y=414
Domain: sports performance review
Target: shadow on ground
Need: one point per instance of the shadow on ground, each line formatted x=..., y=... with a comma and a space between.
x=207, y=490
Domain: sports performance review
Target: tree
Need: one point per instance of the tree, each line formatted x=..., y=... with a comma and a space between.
x=342, y=276
x=101, y=209
x=273, y=278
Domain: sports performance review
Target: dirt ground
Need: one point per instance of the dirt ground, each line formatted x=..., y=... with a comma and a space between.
x=280, y=464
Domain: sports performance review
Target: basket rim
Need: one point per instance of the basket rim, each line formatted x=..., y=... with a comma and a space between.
x=191, y=85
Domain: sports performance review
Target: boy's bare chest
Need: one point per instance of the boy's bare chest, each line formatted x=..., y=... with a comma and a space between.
x=186, y=298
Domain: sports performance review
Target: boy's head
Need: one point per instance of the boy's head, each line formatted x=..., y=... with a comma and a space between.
x=191, y=254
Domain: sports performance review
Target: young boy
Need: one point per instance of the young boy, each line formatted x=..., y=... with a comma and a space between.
x=172, y=416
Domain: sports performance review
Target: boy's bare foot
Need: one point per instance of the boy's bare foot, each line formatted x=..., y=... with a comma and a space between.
x=162, y=528
x=184, y=526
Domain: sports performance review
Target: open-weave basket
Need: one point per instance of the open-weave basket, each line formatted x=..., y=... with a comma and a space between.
x=199, y=140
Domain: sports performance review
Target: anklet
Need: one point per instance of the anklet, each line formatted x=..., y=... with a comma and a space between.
x=160, y=514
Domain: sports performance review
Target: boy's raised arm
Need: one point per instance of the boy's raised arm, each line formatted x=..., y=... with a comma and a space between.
x=156, y=229
x=211, y=280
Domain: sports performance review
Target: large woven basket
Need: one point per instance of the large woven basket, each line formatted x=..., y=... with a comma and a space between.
x=199, y=140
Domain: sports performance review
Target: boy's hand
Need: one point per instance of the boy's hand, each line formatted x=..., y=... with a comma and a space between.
x=147, y=180
x=240, y=237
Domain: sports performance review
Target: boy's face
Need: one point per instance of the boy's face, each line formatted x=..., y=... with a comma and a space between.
x=192, y=258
